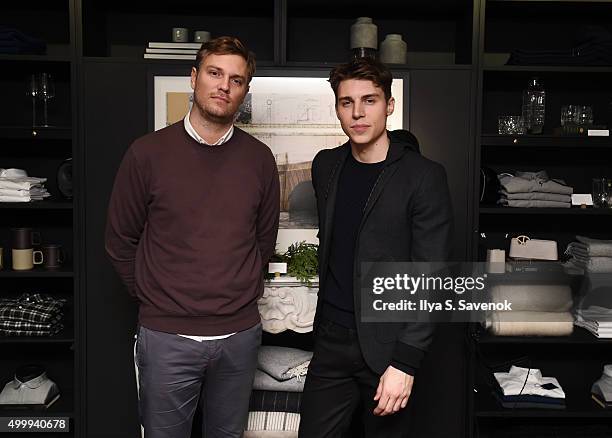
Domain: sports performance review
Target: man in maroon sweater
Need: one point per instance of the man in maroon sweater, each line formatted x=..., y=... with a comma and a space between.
x=192, y=220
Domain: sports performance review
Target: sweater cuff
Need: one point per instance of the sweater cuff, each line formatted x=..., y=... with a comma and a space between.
x=407, y=356
x=403, y=367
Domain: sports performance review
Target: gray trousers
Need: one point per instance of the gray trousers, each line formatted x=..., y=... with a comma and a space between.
x=174, y=373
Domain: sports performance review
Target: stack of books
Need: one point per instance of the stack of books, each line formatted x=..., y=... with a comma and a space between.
x=186, y=51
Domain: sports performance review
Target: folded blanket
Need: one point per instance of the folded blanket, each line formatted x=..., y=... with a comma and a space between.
x=280, y=421
x=538, y=196
x=525, y=182
x=275, y=401
x=595, y=247
x=283, y=363
x=530, y=323
x=534, y=297
x=596, y=265
x=523, y=203
x=265, y=382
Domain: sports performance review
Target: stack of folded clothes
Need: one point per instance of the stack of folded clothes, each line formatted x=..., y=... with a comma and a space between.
x=277, y=392
x=534, y=189
x=12, y=41
x=537, y=310
x=31, y=315
x=601, y=391
x=590, y=255
x=17, y=186
x=526, y=388
x=595, y=319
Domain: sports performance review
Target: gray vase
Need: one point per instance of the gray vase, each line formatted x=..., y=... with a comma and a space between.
x=364, y=34
x=393, y=49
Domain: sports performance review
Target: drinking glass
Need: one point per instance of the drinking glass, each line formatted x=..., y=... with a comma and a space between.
x=33, y=92
x=46, y=87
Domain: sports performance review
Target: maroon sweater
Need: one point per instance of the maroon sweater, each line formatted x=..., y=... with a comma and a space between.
x=190, y=227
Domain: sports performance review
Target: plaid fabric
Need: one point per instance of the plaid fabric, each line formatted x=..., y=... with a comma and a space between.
x=26, y=325
x=34, y=308
x=18, y=332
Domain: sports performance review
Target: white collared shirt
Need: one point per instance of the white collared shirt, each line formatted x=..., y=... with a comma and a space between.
x=193, y=134
x=223, y=139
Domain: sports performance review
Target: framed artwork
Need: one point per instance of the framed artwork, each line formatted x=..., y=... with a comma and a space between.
x=294, y=115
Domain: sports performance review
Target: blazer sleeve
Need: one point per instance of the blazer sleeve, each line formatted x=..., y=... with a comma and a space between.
x=432, y=225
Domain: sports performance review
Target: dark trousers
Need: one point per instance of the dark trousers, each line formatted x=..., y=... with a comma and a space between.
x=338, y=380
x=174, y=373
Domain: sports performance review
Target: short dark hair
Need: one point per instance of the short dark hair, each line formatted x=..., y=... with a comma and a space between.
x=362, y=68
x=227, y=45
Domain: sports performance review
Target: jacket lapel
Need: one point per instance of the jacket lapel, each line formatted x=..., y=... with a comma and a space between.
x=330, y=204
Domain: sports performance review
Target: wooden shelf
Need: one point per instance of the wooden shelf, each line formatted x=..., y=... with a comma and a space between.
x=494, y=140
x=66, y=336
x=579, y=336
x=37, y=205
x=38, y=132
x=487, y=406
x=546, y=211
x=37, y=273
x=548, y=68
x=35, y=58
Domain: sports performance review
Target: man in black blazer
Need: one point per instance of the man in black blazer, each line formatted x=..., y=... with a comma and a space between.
x=378, y=199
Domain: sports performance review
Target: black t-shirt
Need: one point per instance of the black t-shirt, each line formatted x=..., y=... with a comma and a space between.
x=354, y=186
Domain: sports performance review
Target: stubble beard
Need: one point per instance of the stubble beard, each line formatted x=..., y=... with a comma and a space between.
x=208, y=113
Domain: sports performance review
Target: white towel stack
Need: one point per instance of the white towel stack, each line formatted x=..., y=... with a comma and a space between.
x=17, y=186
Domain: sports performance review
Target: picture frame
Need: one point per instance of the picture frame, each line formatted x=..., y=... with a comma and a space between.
x=293, y=113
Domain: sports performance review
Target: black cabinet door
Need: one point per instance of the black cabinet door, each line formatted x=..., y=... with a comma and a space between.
x=114, y=114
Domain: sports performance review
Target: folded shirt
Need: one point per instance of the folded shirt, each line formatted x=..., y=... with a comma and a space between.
x=528, y=381
x=521, y=203
x=36, y=308
x=21, y=183
x=524, y=182
x=537, y=196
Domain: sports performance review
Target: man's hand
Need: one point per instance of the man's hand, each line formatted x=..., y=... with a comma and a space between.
x=393, y=391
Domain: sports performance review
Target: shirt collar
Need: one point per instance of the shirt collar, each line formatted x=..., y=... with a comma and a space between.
x=32, y=383
x=193, y=134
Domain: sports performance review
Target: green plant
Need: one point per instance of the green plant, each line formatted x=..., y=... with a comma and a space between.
x=303, y=262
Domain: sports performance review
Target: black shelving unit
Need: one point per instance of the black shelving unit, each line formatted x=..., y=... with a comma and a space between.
x=40, y=150
x=506, y=25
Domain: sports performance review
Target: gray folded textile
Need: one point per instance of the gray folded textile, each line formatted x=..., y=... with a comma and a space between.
x=539, y=196
x=596, y=247
x=283, y=363
x=597, y=265
x=525, y=182
x=534, y=297
x=522, y=203
x=265, y=382
x=577, y=249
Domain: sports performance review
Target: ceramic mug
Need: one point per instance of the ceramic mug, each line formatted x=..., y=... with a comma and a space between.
x=25, y=259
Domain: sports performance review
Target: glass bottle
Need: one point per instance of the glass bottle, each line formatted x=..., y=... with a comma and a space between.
x=534, y=98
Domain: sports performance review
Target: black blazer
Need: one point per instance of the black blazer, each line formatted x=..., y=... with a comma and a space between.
x=407, y=218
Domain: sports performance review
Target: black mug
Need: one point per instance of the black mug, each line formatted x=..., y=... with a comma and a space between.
x=25, y=238
x=53, y=256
